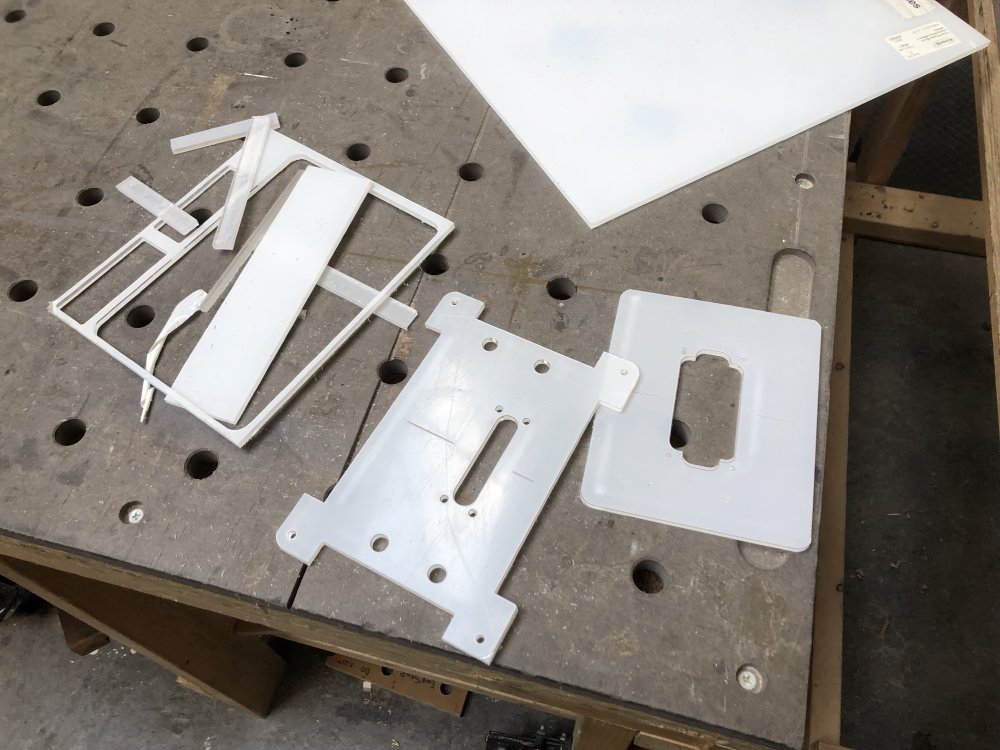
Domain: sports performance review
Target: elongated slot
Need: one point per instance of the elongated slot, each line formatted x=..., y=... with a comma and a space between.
x=486, y=462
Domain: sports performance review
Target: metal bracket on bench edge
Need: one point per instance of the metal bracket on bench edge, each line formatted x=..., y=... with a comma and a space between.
x=394, y=510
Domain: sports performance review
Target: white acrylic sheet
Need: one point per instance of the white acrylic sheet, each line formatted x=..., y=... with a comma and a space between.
x=623, y=102
x=764, y=493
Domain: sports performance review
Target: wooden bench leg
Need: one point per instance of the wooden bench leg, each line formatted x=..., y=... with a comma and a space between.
x=80, y=637
x=200, y=647
x=591, y=734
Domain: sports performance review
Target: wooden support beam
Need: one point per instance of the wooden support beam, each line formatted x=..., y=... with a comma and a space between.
x=198, y=646
x=828, y=621
x=886, y=140
x=986, y=77
x=591, y=734
x=79, y=636
x=907, y=217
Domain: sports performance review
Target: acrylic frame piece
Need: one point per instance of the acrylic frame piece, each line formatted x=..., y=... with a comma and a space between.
x=280, y=152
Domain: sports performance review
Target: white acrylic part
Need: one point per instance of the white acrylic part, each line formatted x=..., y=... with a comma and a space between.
x=623, y=102
x=243, y=181
x=156, y=204
x=349, y=288
x=280, y=153
x=230, y=360
x=221, y=134
x=422, y=449
x=764, y=494
x=180, y=315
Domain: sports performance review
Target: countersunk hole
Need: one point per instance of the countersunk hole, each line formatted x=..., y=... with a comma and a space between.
x=396, y=75
x=444, y=498
x=201, y=465
x=291, y=534
x=472, y=514
x=437, y=574
x=393, y=371
x=70, y=431
x=140, y=316
x=386, y=671
x=358, y=151
x=295, y=60
x=446, y=689
x=14, y=16
x=201, y=215
x=380, y=542
x=197, y=44
x=541, y=367
x=680, y=434
x=490, y=345
x=526, y=420
x=434, y=264
x=480, y=639
x=90, y=196
x=48, y=98
x=560, y=288
x=147, y=115
x=131, y=512
x=648, y=575
x=805, y=181
x=103, y=29
x=23, y=290
x=714, y=213
x=471, y=171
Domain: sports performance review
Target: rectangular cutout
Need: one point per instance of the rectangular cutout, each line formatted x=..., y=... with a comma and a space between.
x=706, y=412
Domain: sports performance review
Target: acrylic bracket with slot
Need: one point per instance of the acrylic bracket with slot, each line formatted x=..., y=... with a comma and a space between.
x=764, y=493
x=279, y=153
x=397, y=509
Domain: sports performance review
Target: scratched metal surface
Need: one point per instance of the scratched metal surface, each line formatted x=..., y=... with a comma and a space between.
x=582, y=620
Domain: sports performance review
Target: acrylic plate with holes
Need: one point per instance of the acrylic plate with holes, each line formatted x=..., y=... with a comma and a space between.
x=764, y=493
x=399, y=510
x=620, y=103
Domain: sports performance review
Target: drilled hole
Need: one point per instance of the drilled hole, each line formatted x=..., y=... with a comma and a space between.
x=437, y=574
x=560, y=288
x=201, y=215
x=140, y=316
x=434, y=264
x=680, y=434
x=396, y=75
x=386, y=671
x=103, y=29
x=48, y=98
x=490, y=345
x=805, y=181
x=648, y=576
x=14, y=16
x=295, y=60
x=380, y=543
x=90, y=196
x=446, y=689
x=358, y=151
x=70, y=431
x=541, y=367
x=471, y=171
x=23, y=290
x=393, y=371
x=715, y=213
x=201, y=464
x=480, y=639
x=197, y=44
x=147, y=115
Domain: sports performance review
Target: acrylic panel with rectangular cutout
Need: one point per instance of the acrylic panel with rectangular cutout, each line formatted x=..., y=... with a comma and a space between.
x=622, y=102
x=395, y=509
x=764, y=493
